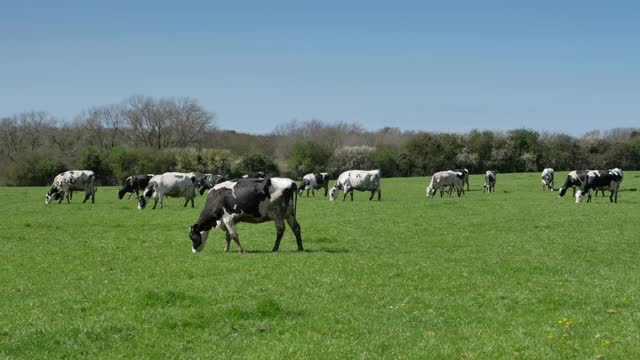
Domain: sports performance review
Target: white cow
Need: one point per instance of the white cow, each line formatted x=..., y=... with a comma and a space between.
x=547, y=178
x=443, y=179
x=172, y=184
x=489, y=181
x=361, y=180
x=74, y=180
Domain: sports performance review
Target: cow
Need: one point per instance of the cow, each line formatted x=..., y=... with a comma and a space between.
x=314, y=181
x=74, y=180
x=547, y=178
x=172, y=184
x=361, y=180
x=489, y=181
x=207, y=181
x=134, y=183
x=247, y=200
x=465, y=180
x=595, y=179
x=443, y=179
x=574, y=179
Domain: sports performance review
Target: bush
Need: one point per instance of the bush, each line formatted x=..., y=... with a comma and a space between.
x=123, y=163
x=37, y=171
x=386, y=159
x=351, y=158
x=92, y=158
x=309, y=156
x=253, y=163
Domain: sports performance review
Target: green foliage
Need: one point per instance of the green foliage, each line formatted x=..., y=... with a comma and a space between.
x=93, y=158
x=253, y=163
x=37, y=171
x=309, y=156
x=386, y=159
x=123, y=162
x=485, y=276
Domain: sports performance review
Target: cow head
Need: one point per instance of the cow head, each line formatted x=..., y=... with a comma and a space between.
x=333, y=193
x=430, y=191
x=303, y=186
x=142, y=202
x=198, y=238
x=127, y=187
x=53, y=195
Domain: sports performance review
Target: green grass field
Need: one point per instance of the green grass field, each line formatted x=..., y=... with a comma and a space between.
x=519, y=273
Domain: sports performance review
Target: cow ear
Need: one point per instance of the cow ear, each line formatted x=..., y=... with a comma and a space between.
x=194, y=228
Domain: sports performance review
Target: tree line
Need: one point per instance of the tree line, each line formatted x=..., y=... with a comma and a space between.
x=149, y=135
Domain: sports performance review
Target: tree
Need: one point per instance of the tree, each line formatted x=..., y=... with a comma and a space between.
x=309, y=156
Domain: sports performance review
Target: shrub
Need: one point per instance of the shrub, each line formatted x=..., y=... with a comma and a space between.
x=308, y=156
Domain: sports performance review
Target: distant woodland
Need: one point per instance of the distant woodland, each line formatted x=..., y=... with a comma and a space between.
x=150, y=135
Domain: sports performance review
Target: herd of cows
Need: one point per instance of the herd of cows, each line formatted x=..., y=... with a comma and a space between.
x=255, y=198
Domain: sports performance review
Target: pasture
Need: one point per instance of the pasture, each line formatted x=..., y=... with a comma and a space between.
x=518, y=273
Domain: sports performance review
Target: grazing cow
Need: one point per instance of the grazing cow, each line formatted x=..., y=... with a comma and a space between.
x=251, y=201
x=574, y=179
x=74, y=180
x=547, y=179
x=207, y=181
x=609, y=179
x=313, y=182
x=489, y=181
x=172, y=184
x=134, y=183
x=465, y=180
x=443, y=179
x=361, y=180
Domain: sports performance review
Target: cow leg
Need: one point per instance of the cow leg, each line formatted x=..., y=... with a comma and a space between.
x=227, y=240
x=345, y=196
x=279, y=232
x=379, y=194
x=351, y=192
x=233, y=234
x=326, y=190
x=293, y=224
x=155, y=203
x=313, y=192
x=87, y=195
x=373, y=192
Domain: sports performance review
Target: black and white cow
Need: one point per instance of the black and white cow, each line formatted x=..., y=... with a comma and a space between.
x=172, y=184
x=69, y=181
x=251, y=201
x=207, y=181
x=445, y=179
x=361, y=180
x=314, y=181
x=134, y=183
x=547, y=179
x=489, y=181
x=465, y=180
x=574, y=179
x=596, y=179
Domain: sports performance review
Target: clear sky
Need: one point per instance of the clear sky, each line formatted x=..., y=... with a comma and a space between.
x=569, y=66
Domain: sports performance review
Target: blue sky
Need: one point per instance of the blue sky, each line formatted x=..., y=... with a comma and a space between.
x=568, y=66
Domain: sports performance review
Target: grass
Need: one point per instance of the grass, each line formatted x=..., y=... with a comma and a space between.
x=519, y=273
